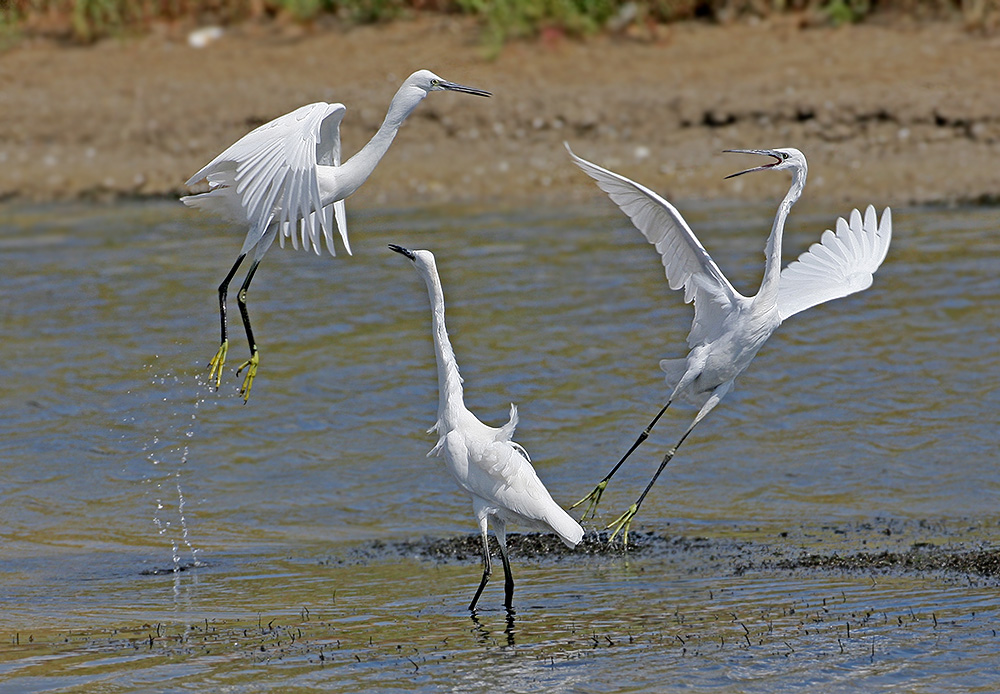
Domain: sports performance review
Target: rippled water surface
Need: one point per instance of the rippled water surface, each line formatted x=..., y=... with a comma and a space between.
x=866, y=424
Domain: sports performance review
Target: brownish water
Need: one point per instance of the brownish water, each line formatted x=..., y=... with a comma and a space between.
x=867, y=423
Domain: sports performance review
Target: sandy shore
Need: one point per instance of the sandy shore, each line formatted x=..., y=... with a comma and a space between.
x=891, y=114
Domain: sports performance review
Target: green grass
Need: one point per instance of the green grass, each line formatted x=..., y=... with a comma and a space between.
x=501, y=20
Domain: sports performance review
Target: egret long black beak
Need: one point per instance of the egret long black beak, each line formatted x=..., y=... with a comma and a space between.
x=452, y=87
x=766, y=152
x=402, y=251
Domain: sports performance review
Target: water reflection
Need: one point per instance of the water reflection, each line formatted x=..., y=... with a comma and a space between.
x=486, y=636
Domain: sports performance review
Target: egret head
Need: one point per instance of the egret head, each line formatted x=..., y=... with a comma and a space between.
x=429, y=82
x=784, y=158
x=424, y=260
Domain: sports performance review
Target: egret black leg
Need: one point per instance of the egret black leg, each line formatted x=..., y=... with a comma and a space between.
x=595, y=496
x=508, y=581
x=251, y=364
x=219, y=360
x=487, y=571
x=224, y=290
x=622, y=523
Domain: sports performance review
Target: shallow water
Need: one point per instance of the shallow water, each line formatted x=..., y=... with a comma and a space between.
x=876, y=413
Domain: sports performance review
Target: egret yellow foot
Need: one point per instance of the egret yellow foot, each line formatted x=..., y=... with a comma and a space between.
x=594, y=498
x=218, y=361
x=251, y=366
x=621, y=525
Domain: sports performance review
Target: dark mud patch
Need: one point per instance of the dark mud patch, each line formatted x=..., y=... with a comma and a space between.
x=545, y=547
x=918, y=559
x=919, y=548
x=540, y=546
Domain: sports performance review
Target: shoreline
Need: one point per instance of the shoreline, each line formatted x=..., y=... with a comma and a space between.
x=886, y=113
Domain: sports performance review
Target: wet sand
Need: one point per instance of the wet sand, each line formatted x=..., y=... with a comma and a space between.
x=890, y=112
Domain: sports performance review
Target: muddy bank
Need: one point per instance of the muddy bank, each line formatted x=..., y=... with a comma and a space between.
x=896, y=113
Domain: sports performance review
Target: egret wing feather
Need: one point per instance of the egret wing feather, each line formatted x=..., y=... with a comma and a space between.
x=686, y=262
x=328, y=144
x=500, y=472
x=842, y=263
x=341, y=214
x=504, y=478
x=506, y=432
x=328, y=153
x=272, y=171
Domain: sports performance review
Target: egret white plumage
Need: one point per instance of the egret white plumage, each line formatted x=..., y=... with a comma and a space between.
x=286, y=174
x=485, y=461
x=729, y=328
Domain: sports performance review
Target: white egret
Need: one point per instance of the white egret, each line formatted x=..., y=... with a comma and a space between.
x=730, y=328
x=487, y=464
x=288, y=174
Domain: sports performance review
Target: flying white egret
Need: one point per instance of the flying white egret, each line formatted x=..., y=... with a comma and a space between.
x=487, y=464
x=730, y=328
x=288, y=174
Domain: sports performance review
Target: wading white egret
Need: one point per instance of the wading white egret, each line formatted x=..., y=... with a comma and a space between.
x=487, y=464
x=730, y=328
x=287, y=176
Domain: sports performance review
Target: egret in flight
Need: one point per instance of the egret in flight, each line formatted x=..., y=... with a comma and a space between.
x=730, y=328
x=286, y=176
x=487, y=464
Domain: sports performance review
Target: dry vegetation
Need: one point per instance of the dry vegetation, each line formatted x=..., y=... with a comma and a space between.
x=88, y=20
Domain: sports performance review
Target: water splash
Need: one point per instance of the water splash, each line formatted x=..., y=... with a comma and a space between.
x=168, y=452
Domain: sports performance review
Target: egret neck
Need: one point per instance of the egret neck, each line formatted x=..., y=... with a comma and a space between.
x=339, y=182
x=768, y=293
x=451, y=403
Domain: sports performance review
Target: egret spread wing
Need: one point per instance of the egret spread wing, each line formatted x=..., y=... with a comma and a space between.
x=685, y=260
x=273, y=171
x=841, y=263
